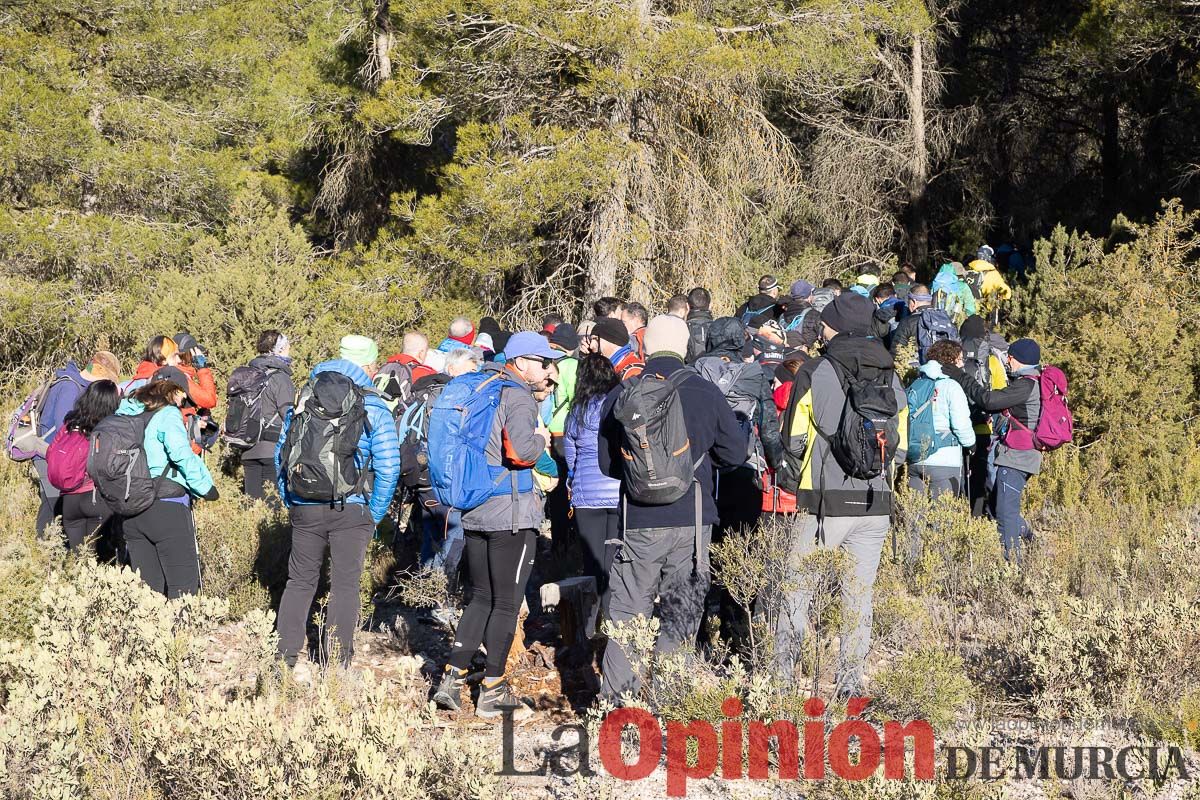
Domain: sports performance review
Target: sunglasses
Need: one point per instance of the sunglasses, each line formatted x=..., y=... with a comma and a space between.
x=546, y=363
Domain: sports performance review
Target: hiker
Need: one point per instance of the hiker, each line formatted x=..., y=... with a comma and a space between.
x=441, y=526
x=634, y=316
x=550, y=322
x=923, y=326
x=760, y=307
x=260, y=396
x=502, y=524
x=987, y=283
x=665, y=548
x=746, y=387
x=461, y=333
x=782, y=383
x=558, y=503
x=605, y=307
x=844, y=476
x=909, y=270
x=161, y=541
x=161, y=351
x=202, y=389
x=887, y=312
x=801, y=323
x=952, y=294
x=612, y=340
x=401, y=372
x=594, y=496
x=588, y=343
x=867, y=280
x=63, y=390
x=1016, y=459
x=939, y=425
x=330, y=505
x=699, y=317
x=902, y=284
x=84, y=512
x=677, y=306
x=490, y=339
x=983, y=359
x=767, y=344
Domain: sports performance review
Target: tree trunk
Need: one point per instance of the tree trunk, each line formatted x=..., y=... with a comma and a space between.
x=382, y=43
x=1110, y=157
x=89, y=197
x=918, y=221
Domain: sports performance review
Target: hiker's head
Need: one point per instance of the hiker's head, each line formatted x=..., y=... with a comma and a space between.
x=910, y=271
x=530, y=356
x=634, y=315
x=768, y=285
x=882, y=292
x=99, y=400
x=161, y=393
x=595, y=378
x=849, y=313
x=699, y=299
x=919, y=297
x=162, y=351
x=587, y=339
x=666, y=334
x=946, y=353
x=272, y=342
x=605, y=307
x=801, y=290
x=552, y=321
x=677, y=306
x=564, y=338
x=611, y=335
x=462, y=330
x=832, y=283
x=362, y=351
x=103, y=366
x=900, y=278
x=1022, y=354
x=463, y=360
x=416, y=345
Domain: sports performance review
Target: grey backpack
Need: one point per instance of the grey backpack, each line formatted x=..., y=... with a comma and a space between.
x=322, y=441
x=659, y=468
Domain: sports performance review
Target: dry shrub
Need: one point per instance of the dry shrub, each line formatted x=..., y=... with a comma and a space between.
x=109, y=699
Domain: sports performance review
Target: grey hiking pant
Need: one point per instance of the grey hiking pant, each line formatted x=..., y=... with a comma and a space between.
x=937, y=481
x=655, y=562
x=345, y=531
x=862, y=539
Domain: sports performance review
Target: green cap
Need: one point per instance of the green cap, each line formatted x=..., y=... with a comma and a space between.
x=360, y=350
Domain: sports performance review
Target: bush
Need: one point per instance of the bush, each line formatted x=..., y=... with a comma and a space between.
x=109, y=699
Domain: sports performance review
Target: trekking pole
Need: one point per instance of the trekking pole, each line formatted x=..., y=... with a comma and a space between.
x=892, y=511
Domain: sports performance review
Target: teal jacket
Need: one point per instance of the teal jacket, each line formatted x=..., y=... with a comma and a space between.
x=951, y=415
x=167, y=444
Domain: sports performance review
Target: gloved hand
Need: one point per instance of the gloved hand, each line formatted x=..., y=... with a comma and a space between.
x=211, y=494
x=199, y=358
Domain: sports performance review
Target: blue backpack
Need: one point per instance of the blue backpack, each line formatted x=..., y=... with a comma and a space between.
x=460, y=425
x=923, y=438
x=934, y=325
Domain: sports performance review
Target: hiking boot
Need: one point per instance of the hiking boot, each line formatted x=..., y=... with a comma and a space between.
x=449, y=692
x=495, y=700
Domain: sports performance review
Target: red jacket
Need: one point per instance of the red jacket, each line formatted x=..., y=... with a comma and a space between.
x=203, y=391
x=630, y=366
x=637, y=342
x=419, y=370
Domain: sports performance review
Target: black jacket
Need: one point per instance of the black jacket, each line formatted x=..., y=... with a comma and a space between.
x=806, y=333
x=906, y=332
x=698, y=322
x=764, y=307
x=725, y=340
x=712, y=430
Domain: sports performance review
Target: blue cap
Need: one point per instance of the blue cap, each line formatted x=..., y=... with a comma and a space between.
x=528, y=344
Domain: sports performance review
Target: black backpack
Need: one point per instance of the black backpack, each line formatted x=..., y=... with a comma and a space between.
x=412, y=427
x=395, y=382
x=117, y=465
x=322, y=441
x=658, y=459
x=244, y=425
x=868, y=433
x=731, y=378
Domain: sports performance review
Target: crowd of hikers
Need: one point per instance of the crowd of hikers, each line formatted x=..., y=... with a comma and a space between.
x=646, y=436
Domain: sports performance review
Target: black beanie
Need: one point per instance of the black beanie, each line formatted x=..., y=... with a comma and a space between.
x=849, y=312
x=973, y=327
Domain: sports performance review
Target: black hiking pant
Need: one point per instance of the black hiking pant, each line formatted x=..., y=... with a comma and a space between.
x=83, y=515
x=161, y=542
x=257, y=473
x=345, y=532
x=500, y=563
x=600, y=534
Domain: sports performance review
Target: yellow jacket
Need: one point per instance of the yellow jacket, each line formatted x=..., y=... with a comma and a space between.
x=993, y=285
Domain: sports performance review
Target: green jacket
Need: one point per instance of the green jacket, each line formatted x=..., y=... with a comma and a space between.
x=568, y=368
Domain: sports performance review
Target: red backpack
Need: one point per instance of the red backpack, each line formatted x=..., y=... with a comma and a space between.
x=1055, y=426
x=66, y=462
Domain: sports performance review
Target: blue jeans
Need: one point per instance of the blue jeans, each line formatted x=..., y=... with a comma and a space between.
x=442, y=540
x=1010, y=485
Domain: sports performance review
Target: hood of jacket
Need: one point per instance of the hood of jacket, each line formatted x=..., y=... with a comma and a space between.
x=979, y=265
x=794, y=306
x=144, y=370
x=269, y=361
x=72, y=373
x=130, y=407
x=700, y=313
x=859, y=355
x=348, y=368
x=932, y=370
x=726, y=335
x=433, y=379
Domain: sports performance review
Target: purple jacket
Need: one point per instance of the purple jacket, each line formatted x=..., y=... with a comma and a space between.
x=590, y=488
x=60, y=400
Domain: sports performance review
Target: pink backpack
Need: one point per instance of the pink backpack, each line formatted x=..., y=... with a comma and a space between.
x=1055, y=426
x=66, y=462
